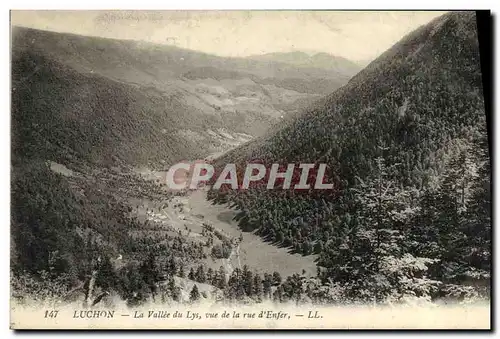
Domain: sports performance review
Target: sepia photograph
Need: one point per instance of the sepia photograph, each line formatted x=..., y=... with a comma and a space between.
x=257, y=169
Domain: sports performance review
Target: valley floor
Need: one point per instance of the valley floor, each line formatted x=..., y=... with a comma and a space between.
x=253, y=251
x=188, y=213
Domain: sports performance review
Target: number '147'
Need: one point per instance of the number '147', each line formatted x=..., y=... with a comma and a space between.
x=51, y=314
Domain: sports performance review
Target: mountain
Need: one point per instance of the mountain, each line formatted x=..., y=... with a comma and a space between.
x=109, y=101
x=405, y=142
x=146, y=63
x=93, y=120
x=318, y=60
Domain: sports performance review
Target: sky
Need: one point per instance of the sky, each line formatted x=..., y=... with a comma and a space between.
x=358, y=36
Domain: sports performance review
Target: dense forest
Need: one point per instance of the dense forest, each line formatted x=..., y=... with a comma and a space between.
x=407, y=148
x=69, y=247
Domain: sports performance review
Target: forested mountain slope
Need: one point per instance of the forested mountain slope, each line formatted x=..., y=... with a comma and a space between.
x=61, y=115
x=406, y=145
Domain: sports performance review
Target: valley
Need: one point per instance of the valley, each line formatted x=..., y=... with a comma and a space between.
x=188, y=214
x=120, y=112
x=96, y=122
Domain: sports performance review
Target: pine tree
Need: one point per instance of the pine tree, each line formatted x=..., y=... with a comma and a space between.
x=318, y=247
x=106, y=276
x=247, y=282
x=150, y=273
x=221, y=278
x=191, y=275
x=172, y=266
x=210, y=275
x=369, y=242
x=293, y=287
x=479, y=217
x=276, y=278
x=306, y=247
x=266, y=285
x=194, y=295
x=257, y=286
x=200, y=275
x=278, y=295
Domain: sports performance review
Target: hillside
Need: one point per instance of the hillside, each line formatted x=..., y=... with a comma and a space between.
x=61, y=115
x=406, y=146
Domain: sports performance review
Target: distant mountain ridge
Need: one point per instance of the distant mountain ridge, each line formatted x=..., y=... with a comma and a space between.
x=317, y=60
x=164, y=92
x=155, y=61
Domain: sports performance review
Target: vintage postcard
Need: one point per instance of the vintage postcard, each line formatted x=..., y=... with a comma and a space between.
x=249, y=170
